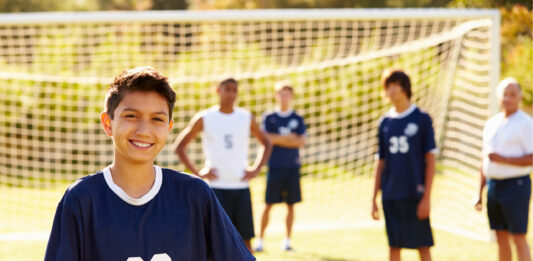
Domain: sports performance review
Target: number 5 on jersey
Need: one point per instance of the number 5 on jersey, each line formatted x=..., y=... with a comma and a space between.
x=228, y=141
x=398, y=144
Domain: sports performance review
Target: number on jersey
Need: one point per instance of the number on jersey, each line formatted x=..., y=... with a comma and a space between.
x=398, y=144
x=228, y=141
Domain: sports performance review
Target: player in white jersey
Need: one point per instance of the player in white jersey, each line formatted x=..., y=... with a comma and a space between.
x=225, y=139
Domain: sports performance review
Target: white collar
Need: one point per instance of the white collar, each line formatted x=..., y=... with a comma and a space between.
x=283, y=114
x=135, y=201
x=515, y=114
x=393, y=114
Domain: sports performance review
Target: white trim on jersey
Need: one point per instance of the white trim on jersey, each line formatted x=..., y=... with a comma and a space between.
x=283, y=114
x=135, y=201
x=395, y=115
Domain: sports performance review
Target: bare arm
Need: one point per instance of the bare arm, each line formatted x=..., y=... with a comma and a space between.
x=288, y=141
x=186, y=136
x=482, y=181
x=378, y=169
x=526, y=160
x=264, y=151
x=424, y=205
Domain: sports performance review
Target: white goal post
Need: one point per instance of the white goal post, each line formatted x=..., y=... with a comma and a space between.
x=55, y=68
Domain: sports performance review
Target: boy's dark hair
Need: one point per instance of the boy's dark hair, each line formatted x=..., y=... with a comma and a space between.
x=226, y=81
x=399, y=77
x=144, y=79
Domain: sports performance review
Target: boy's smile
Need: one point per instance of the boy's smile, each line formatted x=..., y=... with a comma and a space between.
x=140, y=144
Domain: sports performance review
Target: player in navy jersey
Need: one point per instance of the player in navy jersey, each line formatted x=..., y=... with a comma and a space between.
x=286, y=130
x=405, y=169
x=133, y=210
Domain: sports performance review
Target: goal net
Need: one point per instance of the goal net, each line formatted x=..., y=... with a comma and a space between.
x=55, y=69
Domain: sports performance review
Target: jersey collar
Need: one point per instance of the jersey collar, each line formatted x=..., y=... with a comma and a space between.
x=395, y=115
x=135, y=201
x=283, y=114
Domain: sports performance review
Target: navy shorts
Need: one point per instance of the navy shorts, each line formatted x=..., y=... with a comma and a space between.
x=404, y=229
x=283, y=185
x=238, y=206
x=508, y=204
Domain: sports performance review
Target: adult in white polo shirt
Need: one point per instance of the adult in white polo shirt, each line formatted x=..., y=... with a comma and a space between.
x=507, y=161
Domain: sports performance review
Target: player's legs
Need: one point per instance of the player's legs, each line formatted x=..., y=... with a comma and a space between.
x=290, y=219
x=264, y=220
x=273, y=195
x=392, y=225
x=394, y=254
x=504, y=247
x=508, y=209
x=264, y=223
x=291, y=185
x=522, y=248
x=238, y=207
x=516, y=211
x=424, y=253
x=248, y=245
x=244, y=218
x=497, y=220
x=404, y=229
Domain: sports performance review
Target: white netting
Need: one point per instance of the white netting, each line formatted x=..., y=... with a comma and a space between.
x=53, y=77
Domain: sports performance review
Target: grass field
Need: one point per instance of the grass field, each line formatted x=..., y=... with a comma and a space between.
x=329, y=245
x=332, y=223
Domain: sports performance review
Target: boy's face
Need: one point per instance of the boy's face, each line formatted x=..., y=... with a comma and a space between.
x=394, y=92
x=284, y=96
x=140, y=127
x=227, y=93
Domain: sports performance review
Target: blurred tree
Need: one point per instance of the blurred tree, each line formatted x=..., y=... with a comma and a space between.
x=169, y=5
x=490, y=3
x=12, y=6
x=517, y=47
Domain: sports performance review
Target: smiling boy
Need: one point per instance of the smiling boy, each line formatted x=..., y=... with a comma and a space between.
x=133, y=210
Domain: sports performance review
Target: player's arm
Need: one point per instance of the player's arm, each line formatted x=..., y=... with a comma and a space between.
x=482, y=182
x=424, y=205
x=195, y=126
x=526, y=160
x=378, y=169
x=264, y=151
x=292, y=140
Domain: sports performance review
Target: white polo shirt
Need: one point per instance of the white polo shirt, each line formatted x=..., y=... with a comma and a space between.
x=509, y=137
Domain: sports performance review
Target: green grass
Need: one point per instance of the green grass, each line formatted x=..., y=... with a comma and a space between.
x=328, y=245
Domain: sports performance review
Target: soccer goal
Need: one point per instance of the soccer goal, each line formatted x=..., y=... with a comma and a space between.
x=55, y=68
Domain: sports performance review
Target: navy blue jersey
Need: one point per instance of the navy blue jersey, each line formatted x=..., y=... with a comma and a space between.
x=404, y=140
x=178, y=219
x=278, y=123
